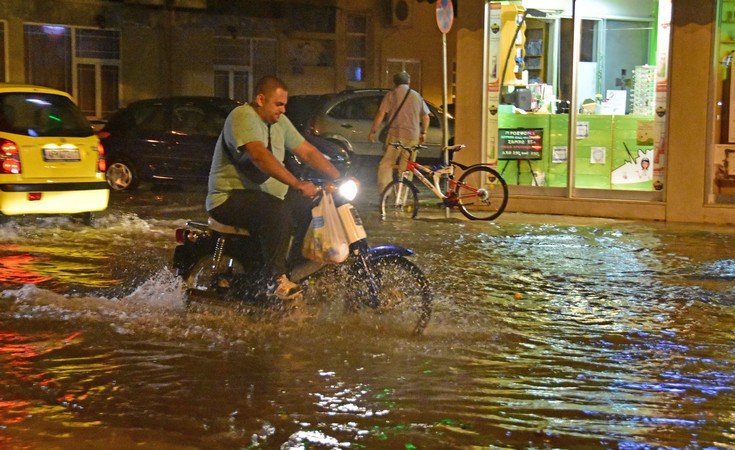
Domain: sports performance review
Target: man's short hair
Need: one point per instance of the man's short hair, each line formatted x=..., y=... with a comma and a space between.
x=268, y=84
x=401, y=78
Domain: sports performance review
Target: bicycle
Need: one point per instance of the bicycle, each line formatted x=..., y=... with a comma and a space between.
x=481, y=193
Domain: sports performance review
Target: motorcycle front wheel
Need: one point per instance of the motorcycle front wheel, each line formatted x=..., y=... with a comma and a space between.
x=397, y=290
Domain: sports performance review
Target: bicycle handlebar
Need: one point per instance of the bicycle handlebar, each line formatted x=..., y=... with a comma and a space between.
x=449, y=148
x=399, y=144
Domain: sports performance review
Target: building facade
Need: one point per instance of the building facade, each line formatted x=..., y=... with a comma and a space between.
x=630, y=99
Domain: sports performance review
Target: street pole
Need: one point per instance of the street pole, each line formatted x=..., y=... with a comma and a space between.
x=444, y=20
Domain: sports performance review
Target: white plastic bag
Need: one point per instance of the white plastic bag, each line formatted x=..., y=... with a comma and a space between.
x=325, y=240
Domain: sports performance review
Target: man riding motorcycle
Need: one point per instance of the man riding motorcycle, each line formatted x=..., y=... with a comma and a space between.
x=249, y=186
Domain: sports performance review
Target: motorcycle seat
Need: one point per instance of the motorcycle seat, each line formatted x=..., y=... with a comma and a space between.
x=226, y=229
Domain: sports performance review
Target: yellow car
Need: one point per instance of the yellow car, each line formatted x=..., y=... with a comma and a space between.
x=51, y=161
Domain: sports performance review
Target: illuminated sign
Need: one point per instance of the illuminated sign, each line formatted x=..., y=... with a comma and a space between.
x=520, y=143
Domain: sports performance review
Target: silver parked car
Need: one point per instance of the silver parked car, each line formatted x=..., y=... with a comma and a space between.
x=346, y=118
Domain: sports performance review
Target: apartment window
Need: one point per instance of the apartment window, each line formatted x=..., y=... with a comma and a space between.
x=239, y=62
x=357, y=38
x=83, y=62
x=98, y=66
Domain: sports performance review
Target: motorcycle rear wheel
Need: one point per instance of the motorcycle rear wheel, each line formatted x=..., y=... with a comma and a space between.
x=398, y=291
x=201, y=279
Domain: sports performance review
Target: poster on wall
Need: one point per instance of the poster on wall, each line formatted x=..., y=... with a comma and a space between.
x=520, y=143
x=637, y=167
x=598, y=155
x=559, y=154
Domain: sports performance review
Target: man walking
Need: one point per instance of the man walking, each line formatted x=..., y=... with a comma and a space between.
x=408, y=124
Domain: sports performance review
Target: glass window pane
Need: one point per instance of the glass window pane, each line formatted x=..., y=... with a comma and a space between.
x=616, y=95
x=240, y=87
x=356, y=24
x=356, y=47
x=355, y=70
x=48, y=56
x=318, y=19
x=86, y=92
x=232, y=51
x=221, y=83
x=97, y=44
x=266, y=62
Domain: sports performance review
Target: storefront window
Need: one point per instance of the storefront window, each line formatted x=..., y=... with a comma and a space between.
x=721, y=176
x=592, y=69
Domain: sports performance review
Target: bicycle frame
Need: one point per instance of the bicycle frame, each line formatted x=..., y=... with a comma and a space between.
x=419, y=170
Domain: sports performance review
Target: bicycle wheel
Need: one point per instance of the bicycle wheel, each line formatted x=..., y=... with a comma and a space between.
x=397, y=290
x=400, y=200
x=482, y=193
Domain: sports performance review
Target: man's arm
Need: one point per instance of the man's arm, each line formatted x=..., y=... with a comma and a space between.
x=264, y=160
x=377, y=120
x=425, y=119
x=424, y=127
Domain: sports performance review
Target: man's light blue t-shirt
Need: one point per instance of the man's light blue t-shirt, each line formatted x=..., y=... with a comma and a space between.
x=244, y=125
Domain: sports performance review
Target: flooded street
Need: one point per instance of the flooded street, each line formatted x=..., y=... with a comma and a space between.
x=547, y=332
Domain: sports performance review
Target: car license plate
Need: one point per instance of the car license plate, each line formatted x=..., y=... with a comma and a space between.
x=61, y=154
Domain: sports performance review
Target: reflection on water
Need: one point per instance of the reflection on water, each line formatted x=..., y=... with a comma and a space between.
x=548, y=332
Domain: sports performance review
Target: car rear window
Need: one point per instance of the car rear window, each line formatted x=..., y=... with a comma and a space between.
x=35, y=114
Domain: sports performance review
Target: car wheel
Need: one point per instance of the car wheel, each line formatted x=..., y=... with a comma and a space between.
x=121, y=176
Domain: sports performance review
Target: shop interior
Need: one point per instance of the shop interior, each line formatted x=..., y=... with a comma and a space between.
x=615, y=102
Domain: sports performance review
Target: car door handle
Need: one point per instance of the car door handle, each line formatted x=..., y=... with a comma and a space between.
x=346, y=125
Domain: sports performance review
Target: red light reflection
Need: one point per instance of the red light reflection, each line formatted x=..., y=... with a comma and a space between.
x=15, y=269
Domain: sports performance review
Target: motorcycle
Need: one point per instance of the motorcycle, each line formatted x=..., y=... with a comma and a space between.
x=221, y=261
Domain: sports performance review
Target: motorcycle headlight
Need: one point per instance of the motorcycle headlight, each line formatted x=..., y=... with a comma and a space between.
x=347, y=189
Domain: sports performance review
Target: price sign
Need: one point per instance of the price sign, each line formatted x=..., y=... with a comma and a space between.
x=520, y=143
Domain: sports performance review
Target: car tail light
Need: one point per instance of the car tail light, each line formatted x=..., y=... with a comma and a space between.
x=181, y=235
x=9, y=157
x=103, y=134
x=101, y=161
x=34, y=196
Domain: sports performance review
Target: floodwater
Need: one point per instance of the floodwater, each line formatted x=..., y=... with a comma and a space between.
x=547, y=332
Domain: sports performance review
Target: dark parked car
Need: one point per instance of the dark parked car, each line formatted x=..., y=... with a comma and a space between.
x=346, y=118
x=172, y=140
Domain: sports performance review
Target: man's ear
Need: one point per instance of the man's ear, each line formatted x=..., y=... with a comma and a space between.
x=260, y=99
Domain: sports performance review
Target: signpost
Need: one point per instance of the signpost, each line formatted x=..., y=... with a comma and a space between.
x=444, y=20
